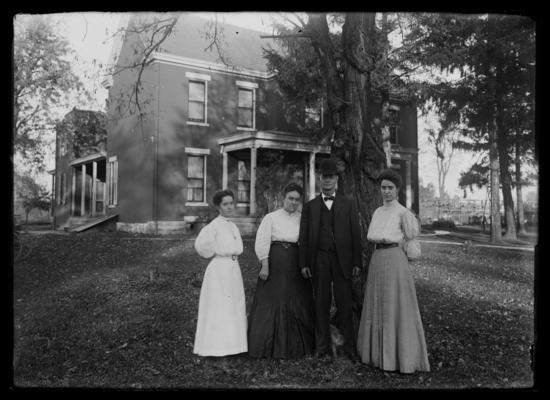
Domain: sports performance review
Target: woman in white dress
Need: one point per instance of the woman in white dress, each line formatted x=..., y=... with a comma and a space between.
x=391, y=335
x=221, y=322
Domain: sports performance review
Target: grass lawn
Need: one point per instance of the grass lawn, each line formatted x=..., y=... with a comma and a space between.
x=88, y=314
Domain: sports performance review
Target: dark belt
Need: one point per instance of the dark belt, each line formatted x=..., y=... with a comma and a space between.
x=379, y=246
x=286, y=245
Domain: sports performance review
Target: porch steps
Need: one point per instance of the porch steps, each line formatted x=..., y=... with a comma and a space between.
x=247, y=225
x=82, y=224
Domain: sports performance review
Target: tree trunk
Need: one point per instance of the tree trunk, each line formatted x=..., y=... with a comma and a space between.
x=496, y=230
x=519, y=194
x=503, y=148
x=357, y=138
x=507, y=193
x=506, y=182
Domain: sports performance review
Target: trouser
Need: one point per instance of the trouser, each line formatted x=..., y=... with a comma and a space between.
x=327, y=271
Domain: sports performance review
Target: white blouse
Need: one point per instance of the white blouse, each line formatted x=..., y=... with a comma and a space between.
x=220, y=237
x=392, y=223
x=278, y=225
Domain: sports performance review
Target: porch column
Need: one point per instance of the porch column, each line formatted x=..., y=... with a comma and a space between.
x=253, y=180
x=94, y=186
x=83, y=192
x=224, y=169
x=305, y=176
x=73, y=190
x=408, y=186
x=311, y=175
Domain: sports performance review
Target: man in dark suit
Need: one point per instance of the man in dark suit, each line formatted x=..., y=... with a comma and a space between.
x=330, y=254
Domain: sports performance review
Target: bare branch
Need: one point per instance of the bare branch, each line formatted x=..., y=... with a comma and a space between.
x=288, y=35
x=300, y=28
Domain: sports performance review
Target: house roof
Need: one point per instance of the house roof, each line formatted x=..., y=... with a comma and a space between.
x=240, y=47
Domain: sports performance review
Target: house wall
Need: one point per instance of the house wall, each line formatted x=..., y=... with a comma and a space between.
x=62, y=204
x=132, y=139
x=176, y=134
x=151, y=153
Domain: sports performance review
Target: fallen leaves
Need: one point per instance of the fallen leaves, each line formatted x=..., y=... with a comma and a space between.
x=89, y=299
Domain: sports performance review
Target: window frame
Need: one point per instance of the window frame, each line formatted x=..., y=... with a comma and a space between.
x=393, y=124
x=62, y=188
x=251, y=87
x=200, y=79
x=203, y=153
x=112, y=182
x=239, y=180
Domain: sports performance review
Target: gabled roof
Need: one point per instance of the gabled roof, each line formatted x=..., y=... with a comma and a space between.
x=240, y=47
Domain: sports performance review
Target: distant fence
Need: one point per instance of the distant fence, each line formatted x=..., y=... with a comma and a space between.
x=466, y=212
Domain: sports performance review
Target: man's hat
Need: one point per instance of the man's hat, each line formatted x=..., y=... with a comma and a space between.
x=328, y=167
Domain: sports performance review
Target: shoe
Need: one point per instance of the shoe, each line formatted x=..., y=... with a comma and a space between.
x=326, y=357
x=353, y=357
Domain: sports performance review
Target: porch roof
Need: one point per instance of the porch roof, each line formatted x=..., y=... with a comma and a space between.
x=272, y=140
x=91, y=157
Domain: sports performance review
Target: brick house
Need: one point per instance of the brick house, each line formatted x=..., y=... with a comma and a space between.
x=205, y=125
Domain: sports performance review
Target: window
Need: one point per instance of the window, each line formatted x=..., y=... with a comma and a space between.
x=246, y=105
x=62, y=146
x=62, y=188
x=196, y=175
x=197, y=103
x=198, y=98
x=314, y=116
x=112, y=181
x=246, y=108
x=393, y=124
x=243, y=182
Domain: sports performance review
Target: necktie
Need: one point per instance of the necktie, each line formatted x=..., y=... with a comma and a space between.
x=329, y=198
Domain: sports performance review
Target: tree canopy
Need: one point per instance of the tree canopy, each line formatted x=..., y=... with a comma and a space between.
x=44, y=81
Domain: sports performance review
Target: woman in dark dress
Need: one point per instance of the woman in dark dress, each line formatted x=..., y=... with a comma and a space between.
x=281, y=321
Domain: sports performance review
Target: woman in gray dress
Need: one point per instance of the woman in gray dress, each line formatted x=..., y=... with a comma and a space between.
x=391, y=335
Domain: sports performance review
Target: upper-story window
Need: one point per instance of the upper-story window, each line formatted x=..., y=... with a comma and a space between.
x=314, y=116
x=246, y=105
x=198, y=98
x=393, y=124
x=197, y=101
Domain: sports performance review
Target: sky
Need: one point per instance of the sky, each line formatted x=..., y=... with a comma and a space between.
x=91, y=36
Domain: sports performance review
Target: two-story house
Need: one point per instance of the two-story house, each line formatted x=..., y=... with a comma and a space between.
x=203, y=125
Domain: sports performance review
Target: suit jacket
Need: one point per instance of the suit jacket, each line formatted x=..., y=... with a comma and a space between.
x=346, y=233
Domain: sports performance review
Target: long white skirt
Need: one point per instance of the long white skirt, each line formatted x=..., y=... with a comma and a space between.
x=221, y=323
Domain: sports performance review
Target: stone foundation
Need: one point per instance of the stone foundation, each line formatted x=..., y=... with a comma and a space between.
x=188, y=225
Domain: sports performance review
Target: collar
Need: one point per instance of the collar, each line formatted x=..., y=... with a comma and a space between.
x=391, y=204
x=326, y=195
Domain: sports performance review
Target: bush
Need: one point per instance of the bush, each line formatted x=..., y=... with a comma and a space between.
x=443, y=223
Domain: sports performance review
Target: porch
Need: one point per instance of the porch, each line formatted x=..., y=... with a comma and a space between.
x=88, y=186
x=250, y=149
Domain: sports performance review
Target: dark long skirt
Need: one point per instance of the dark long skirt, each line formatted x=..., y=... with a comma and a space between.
x=281, y=323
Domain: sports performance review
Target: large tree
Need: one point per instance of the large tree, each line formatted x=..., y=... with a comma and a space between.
x=495, y=56
x=44, y=83
x=346, y=61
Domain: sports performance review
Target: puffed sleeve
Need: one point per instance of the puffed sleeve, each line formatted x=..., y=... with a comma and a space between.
x=205, y=241
x=263, y=238
x=410, y=225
